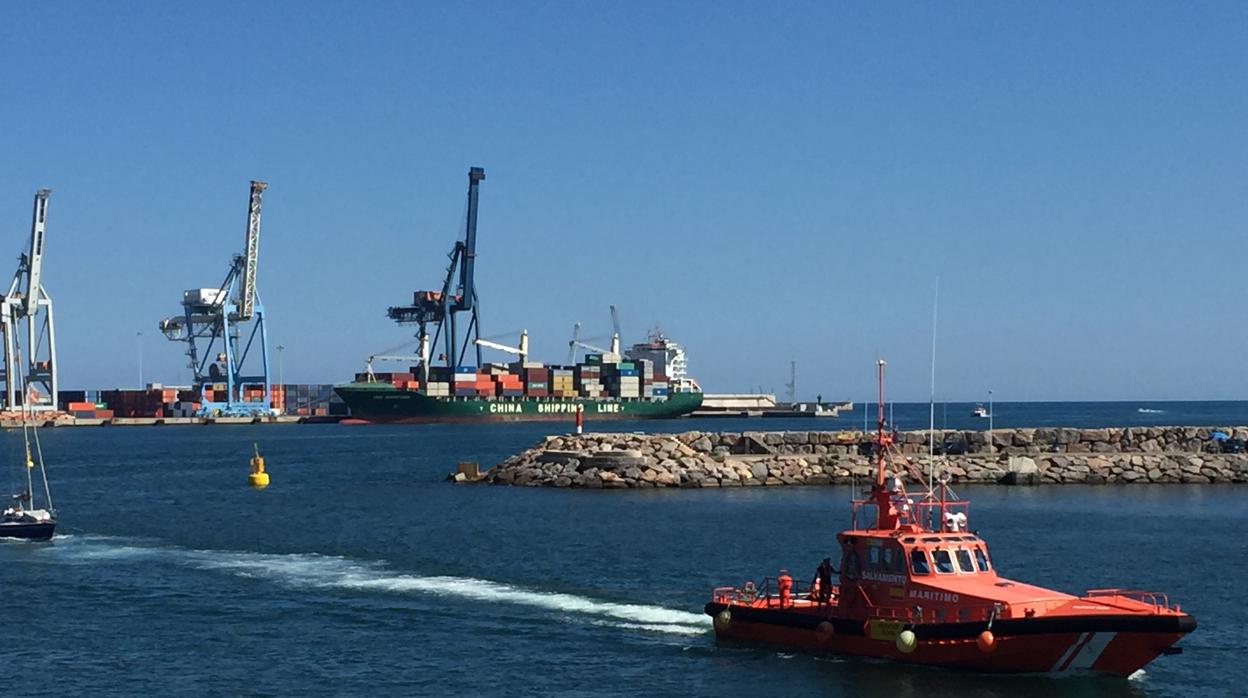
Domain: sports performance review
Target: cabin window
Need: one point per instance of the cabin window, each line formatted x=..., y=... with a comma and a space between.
x=893, y=560
x=982, y=559
x=964, y=561
x=873, y=557
x=944, y=563
x=918, y=562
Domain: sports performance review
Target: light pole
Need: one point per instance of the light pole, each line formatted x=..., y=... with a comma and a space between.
x=992, y=448
x=138, y=338
x=281, y=383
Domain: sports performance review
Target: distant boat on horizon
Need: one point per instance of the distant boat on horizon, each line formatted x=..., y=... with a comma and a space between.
x=980, y=411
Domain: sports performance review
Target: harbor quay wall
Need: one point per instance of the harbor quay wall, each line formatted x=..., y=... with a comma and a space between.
x=1017, y=457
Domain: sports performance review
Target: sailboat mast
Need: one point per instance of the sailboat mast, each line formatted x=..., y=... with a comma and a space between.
x=29, y=463
x=29, y=428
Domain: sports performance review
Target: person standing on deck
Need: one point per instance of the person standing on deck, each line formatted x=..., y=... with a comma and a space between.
x=823, y=580
x=785, y=582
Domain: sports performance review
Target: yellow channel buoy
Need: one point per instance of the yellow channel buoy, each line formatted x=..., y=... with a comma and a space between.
x=258, y=477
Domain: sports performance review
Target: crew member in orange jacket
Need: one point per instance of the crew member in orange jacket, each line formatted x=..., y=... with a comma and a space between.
x=785, y=582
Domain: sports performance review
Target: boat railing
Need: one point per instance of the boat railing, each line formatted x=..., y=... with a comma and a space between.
x=767, y=594
x=1156, y=599
x=928, y=512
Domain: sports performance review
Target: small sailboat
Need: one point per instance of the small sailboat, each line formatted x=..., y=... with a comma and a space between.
x=23, y=518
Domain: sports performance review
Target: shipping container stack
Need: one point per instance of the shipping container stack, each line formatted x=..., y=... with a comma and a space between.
x=645, y=371
x=253, y=393
x=310, y=400
x=85, y=404
x=186, y=405
x=536, y=377
x=139, y=403
x=464, y=381
x=658, y=386
x=65, y=397
x=563, y=382
x=588, y=377
x=621, y=379
x=277, y=397
x=506, y=382
x=441, y=379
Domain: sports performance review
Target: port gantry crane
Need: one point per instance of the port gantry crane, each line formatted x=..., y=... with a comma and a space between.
x=28, y=306
x=458, y=295
x=221, y=314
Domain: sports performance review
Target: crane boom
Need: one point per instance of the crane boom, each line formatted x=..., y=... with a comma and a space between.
x=467, y=262
x=34, y=259
x=522, y=351
x=247, y=293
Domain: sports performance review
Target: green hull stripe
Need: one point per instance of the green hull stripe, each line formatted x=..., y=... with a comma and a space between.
x=383, y=402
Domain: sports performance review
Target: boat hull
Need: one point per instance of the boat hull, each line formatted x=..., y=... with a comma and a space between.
x=27, y=530
x=381, y=402
x=1106, y=644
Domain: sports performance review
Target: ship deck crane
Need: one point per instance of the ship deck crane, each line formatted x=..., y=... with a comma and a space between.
x=219, y=318
x=576, y=341
x=522, y=350
x=439, y=310
x=27, y=306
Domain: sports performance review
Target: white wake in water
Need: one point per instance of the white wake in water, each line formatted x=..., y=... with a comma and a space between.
x=330, y=572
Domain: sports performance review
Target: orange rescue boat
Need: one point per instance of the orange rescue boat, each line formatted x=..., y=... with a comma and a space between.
x=918, y=586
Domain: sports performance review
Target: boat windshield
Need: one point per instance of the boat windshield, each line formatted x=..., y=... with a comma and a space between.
x=982, y=559
x=964, y=561
x=918, y=562
x=944, y=563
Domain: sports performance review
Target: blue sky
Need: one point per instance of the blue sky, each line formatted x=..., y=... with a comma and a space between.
x=767, y=183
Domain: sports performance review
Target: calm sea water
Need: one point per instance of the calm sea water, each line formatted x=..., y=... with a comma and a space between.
x=360, y=571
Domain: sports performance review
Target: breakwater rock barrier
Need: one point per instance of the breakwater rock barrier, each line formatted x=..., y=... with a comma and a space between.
x=1004, y=456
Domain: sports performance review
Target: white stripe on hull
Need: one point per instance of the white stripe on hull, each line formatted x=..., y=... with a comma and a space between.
x=1083, y=652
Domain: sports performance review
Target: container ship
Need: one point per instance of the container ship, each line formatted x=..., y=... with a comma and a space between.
x=648, y=382
x=602, y=387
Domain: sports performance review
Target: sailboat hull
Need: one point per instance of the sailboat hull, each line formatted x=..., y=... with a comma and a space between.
x=28, y=530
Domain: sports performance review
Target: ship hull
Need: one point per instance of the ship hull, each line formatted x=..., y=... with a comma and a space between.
x=28, y=530
x=1114, y=645
x=382, y=403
